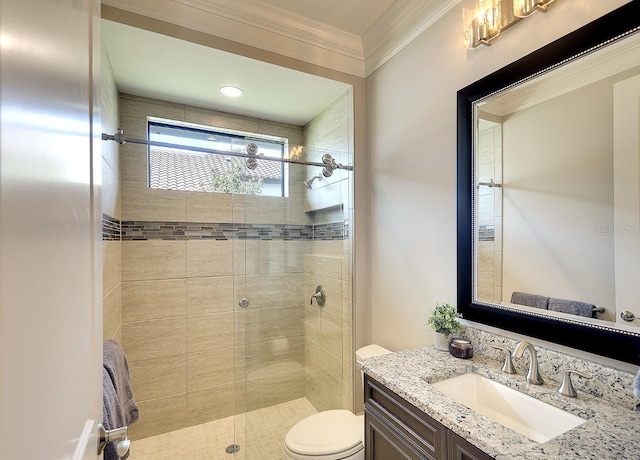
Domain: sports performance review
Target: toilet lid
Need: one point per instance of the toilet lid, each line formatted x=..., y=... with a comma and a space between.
x=325, y=433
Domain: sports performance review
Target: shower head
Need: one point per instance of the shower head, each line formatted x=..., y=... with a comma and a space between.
x=308, y=183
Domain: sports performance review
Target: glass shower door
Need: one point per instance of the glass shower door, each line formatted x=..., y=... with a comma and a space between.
x=292, y=356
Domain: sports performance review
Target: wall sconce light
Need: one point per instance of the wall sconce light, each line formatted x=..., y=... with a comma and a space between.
x=483, y=24
x=524, y=8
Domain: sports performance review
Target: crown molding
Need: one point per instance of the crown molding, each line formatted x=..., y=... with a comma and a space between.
x=272, y=29
x=395, y=30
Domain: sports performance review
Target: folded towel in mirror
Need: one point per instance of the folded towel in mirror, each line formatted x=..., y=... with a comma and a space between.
x=573, y=307
x=530, y=300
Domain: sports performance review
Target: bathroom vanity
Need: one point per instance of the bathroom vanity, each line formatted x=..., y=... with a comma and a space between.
x=406, y=416
x=395, y=429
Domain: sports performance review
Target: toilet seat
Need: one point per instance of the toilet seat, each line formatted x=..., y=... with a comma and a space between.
x=329, y=435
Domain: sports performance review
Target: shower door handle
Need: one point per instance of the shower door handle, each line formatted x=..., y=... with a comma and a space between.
x=244, y=303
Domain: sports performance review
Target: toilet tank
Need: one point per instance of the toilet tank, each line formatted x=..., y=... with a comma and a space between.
x=367, y=352
x=371, y=350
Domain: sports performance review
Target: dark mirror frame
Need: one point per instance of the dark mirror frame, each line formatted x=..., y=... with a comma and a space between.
x=601, y=340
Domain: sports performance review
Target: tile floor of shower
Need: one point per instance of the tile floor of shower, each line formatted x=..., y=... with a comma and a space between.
x=260, y=435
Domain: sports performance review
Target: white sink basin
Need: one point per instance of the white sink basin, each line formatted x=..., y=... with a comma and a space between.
x=523, y=414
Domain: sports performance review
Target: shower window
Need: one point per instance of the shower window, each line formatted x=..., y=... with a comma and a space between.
x=189, y=170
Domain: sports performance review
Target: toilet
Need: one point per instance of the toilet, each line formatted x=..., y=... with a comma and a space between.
x=330, y=434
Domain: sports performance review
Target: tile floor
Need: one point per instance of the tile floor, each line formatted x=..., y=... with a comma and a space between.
x=261, y=440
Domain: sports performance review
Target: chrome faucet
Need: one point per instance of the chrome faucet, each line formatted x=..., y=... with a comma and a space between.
x=533, y=376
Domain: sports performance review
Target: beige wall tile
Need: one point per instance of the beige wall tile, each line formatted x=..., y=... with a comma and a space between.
x=210, y=404
x=333, y=292
x=266, y=291
x=326, y=371
x=246, y=326
x=209, y=207
x=160, y=415
x=329, y=266
x=110, y=191
x=152, y=260
x=246, y=257
x=209, y=258
x=278, y=356
x=328, y=248
x=291, y=132
x=155, y=299
x=332, y=125
x=111, y=313
x=111, y=265
x=318, y=395
x=139, y=202
x=282, y=256
x=209, y=295
x=208, y=332
x=280, y=210
x=154, y=339
x=347, y=386
x=280, y=322
x=154, y=378
x=134, y=163
x=134, y=111
x=312, y=323
x=277, y=388
x=210, y=368
x=246, y=208
x=220, y=119
x=331, y=334
x=109, y=109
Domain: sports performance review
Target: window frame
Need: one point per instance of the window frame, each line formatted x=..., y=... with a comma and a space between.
x=282, y=142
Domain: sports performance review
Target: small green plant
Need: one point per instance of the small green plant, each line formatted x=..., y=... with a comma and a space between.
x=445, y=319
x=233, y=181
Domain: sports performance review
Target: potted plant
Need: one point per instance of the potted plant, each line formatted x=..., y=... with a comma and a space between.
x=444, y=322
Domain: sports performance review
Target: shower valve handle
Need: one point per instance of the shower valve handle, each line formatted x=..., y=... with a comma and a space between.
x=320, y=296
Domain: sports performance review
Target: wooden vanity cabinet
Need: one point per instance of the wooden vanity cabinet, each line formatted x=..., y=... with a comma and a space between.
x=395, y=429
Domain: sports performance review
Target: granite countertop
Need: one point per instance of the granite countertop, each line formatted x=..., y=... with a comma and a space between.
x=610, y=432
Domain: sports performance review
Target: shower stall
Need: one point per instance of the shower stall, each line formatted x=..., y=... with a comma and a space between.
x=218, y=321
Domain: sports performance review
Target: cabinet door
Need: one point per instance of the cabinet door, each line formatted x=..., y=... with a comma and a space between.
x=420, y=431
x=459, y=449
x=384, y=443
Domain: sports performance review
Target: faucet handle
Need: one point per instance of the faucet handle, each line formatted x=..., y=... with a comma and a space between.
x=566, y=387
x=508, y=367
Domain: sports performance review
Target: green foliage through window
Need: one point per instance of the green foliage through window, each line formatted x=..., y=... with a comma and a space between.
x=234, y=180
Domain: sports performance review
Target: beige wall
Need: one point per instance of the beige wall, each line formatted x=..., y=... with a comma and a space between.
x=110, y=205
x=558, y=188
x=411, y=141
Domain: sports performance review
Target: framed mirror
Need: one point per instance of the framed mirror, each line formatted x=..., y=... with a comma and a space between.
x=549, y=191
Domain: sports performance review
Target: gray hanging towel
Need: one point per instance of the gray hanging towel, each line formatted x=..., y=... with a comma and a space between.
x=530, y=300
x=119, y=406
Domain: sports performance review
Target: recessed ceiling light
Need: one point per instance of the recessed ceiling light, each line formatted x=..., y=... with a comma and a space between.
x=231, y=91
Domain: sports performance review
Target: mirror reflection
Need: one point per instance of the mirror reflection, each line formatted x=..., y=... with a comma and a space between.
x=557, y=190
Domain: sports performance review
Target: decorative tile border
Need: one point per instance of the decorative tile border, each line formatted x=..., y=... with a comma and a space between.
x=110, y=228
x=486, y=232
x=148, y=230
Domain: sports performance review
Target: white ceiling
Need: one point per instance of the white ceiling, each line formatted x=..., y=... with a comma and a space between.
x=351, y=36
x=161, y=67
